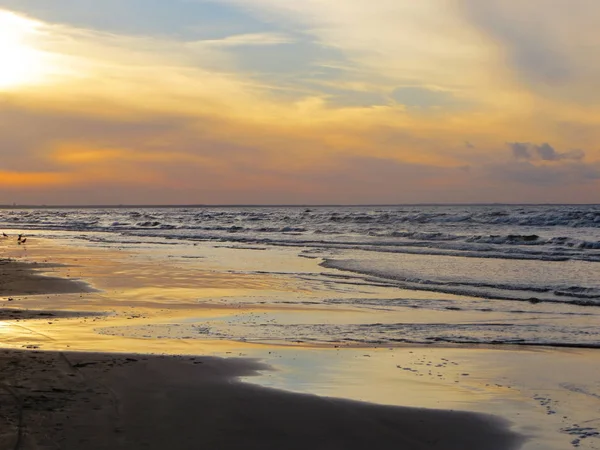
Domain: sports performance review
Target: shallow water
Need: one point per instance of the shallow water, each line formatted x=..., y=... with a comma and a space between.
x=497, y=275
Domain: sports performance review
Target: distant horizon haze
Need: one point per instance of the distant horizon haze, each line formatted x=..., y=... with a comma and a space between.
x=294, y=205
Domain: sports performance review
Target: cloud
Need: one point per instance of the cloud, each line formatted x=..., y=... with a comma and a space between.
x=553, y=173
x=549, y=46
x=33, y=180
x=551, y=176
x=176, y=18
x=250, y=39
x=544, y=152
x=394, y=42
x=520, y=150
x=530, y=45
x=421, y=97
x=249, y=116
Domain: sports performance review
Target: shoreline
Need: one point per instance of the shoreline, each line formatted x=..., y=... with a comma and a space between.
x=33, y=279
x=133, y=401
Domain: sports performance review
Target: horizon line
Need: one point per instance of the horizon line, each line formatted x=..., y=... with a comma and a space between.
x=282, y=205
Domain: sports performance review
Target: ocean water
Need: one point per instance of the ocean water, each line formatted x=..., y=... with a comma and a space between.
x=500, y=275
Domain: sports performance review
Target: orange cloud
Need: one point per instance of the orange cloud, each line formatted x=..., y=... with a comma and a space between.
x=136, y=112
x=89, y=155
x=35, y=179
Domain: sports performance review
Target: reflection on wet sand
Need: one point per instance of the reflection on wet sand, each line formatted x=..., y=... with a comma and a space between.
x=225, y=302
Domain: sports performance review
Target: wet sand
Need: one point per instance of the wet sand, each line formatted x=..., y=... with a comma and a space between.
x=21, y=278
x=103, y=401
x=56, y=399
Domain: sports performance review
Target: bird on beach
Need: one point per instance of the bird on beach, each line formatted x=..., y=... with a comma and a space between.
x=5, y=235
x=22, y=241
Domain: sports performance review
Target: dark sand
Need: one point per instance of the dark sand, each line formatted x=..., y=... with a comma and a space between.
x=51, y=400
x=101, y=401
x=28, y=314
x=19, y=278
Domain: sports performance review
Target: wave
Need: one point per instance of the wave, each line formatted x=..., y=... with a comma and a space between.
x=549, y=233
x=462, y=286
x=496, y=334
x=462, y=304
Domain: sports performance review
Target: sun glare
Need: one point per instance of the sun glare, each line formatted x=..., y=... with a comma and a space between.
x=20, y=63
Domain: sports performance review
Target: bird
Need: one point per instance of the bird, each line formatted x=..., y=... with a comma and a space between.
x=20, y=237
x=22, y=241
x=5, y=235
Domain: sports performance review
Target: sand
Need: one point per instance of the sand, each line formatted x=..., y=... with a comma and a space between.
x=24, y=279
x=109, y=401
x=21, y=278
x=103, y=401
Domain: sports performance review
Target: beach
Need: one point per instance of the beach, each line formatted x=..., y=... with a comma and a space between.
x=319, y=224
x=239, y=345
x=103, y=400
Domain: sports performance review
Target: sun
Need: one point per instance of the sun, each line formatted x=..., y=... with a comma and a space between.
x=20, y=63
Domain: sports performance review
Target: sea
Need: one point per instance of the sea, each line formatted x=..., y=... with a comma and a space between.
x=458, y=275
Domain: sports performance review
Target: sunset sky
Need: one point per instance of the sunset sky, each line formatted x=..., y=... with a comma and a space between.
x=299, y=101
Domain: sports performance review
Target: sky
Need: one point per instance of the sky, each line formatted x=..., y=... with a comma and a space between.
x=299, y=101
